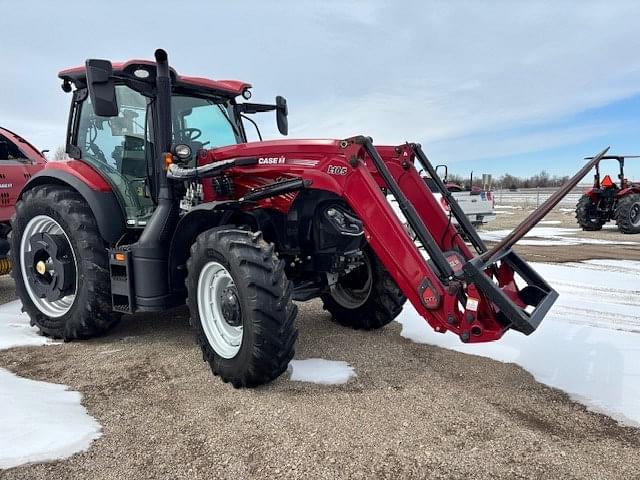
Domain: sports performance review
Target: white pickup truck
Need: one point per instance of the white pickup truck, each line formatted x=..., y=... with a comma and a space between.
x=477, y=204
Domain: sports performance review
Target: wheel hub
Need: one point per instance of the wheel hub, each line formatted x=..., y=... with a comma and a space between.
x=49, y=266
x=230, y=306
x=41, y=267
x=353, y=289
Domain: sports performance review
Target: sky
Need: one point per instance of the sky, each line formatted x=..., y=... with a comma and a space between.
x=489, y=86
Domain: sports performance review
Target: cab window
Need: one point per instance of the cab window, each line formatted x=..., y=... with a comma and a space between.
x=118, y=148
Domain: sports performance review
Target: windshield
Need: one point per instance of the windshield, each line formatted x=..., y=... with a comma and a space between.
x=201, y=123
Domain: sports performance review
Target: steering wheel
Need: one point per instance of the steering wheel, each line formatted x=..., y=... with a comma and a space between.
x=189, y=134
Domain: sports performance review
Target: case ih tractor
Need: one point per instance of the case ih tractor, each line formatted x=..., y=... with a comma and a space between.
x=607, y=200
x=19, y=161
x=165, y=202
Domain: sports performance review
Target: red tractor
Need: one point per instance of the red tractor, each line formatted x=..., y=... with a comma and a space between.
x=607, y=200
x=165, y=202
x=19, y=161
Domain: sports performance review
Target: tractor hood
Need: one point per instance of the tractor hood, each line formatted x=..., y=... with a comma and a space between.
x=272, y=151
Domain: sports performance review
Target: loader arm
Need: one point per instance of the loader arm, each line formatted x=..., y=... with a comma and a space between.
x=455, y=286
x=474, y=295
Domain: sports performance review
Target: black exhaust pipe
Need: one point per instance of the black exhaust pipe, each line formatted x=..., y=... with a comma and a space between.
x=150, y=253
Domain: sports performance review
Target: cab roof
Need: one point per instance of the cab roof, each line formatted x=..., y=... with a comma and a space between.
x=145, y=70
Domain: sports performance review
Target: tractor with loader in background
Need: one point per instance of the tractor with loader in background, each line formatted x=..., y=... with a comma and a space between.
x=165, y=202
x=19, y=161
x=608, y=200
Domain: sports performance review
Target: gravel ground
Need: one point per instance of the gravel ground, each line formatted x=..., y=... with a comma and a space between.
x=414, y=411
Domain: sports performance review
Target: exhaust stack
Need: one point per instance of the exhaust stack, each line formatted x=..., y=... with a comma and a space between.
x=150, y=252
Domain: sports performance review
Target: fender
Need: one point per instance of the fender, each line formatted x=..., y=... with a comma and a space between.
x=200, y=218
x=98, y=195
x=628, y=190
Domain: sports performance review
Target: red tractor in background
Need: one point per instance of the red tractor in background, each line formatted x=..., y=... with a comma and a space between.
x=164, y=202
x=608, y=200
x=19, y=161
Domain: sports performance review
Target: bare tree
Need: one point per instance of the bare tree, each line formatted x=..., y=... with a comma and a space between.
x=60, y=154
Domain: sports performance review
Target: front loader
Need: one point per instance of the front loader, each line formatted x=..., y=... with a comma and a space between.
x=165, y=202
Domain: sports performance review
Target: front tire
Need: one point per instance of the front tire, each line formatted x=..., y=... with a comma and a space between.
x=628, y=213
x=587, y=215
x=365, y=299
x=60, y=264
x=241, y=306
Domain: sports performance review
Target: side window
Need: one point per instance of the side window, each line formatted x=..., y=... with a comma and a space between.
x=116, y=147
x=116, y=142
x=9, y=151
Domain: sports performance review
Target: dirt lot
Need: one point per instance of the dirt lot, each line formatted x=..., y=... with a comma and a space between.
x=414, y=411
x=508, y=219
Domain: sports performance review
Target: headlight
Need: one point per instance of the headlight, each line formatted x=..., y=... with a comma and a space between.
x=246, y=94
x=182, y=151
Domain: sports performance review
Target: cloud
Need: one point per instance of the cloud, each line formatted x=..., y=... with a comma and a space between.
x=435, y=72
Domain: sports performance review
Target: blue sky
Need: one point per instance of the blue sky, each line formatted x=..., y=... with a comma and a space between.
x=496, y=86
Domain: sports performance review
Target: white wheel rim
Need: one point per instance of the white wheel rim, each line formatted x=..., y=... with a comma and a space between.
x=634, y=214
x=225, y=339
x=45, y=224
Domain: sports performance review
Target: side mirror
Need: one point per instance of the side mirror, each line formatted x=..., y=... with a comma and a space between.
x=446, y=172
x=102, y=89
x=281, y=115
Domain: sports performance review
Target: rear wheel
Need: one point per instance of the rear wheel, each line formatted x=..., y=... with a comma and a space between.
x=241, y=306
x=367, y=298
x=587, y=214
x=61, y=264
x=628, y=213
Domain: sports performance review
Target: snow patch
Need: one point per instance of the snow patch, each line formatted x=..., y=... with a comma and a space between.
x=588, y=346
x=39, y=421
x=15, y=330
x=319, y=370
x=550, y=222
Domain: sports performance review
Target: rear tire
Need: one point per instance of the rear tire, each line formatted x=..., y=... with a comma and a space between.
x=628, y=213
x=64, y=212
x=587, y=216
x=247, y=335
x=382, y=304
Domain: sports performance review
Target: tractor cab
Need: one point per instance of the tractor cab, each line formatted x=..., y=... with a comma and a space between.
x=114, y=122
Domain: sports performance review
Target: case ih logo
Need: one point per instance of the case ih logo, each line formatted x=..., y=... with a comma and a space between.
x=336, y=170
x=270, y=160
x=6, y=185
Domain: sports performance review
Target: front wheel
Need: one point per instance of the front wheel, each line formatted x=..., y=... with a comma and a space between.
x=241, y=306
x=61, y=264
x=366, y=298
x=587, y=215
x=628, y=213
